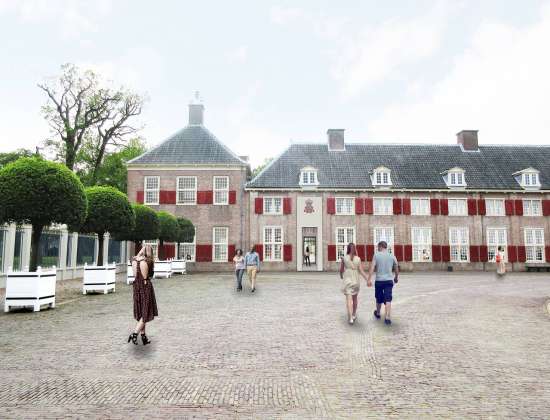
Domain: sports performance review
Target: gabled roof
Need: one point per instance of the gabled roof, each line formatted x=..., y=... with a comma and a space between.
x=414, y=166
x=193, y=144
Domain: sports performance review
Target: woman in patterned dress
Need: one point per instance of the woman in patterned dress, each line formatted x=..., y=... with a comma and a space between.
x=145, y=304
x=350, y=269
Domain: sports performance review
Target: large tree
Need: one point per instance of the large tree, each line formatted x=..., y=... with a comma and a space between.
x=146, y=226
x=186, y=232
x=168, y=230
x=40, y=193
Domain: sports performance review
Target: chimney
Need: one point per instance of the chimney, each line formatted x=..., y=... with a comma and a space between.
x=196, y=110
x=336, y=139
x=244, y=158
x=468, y=140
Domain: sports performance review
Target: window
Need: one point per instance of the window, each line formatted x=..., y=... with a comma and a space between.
x=154, y=247
x=273, y=243
x=421, y=244
x=273, y=205
x=496, y=237
x=495, y=207
x=187, y=249
x=458, y=207
x=308, y=177
x=345, y=206
x=220, y=244
x=384, y=234
x=381, y=176
x=420, y=206
x=152, y=189
x=531, y=180
x=460, y=244
x=186, y=190
x=532, y=208
x=455, y=178
x=383, y=206
x=221, y=190
x=534, y=244
x=344, y=235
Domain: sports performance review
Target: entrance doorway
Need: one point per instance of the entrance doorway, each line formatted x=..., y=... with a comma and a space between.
x=309, y=247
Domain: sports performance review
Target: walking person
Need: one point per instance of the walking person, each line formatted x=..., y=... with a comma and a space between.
x=387, y=274
x=238, y=259
x=306, y=257
x=350, y=269
x=145, y=304
x=252, y=263
x=499, y=259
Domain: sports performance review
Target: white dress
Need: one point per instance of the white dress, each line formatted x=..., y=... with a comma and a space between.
x=351, y=282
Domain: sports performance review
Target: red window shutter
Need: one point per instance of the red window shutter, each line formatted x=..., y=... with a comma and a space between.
x=522, y=255
x=483, y=253
x=331, y=205
x=547, y=252
x=200, y=197
x=162, y=197
x=512, y=254
x=398, y=251
x=209, y=197
x=169, y=251
x=436, y=253
x=287, y=252
x=444, y=206
x=518, y=207
x=139, y=197
x=331, y=253
x=167, y=197
x=408, y=252
x=481, y=210
x=204, y=253
x=359, y=207
x=396, y=206
x=361, y=251
x=287, y=205
x=369, y=206
x=509, y=207
x=370, y=252
x=546, y=210
x=260, y=250
x=230, y=252
x=232, y=197
x=406, y=206
x=434, y=206
x=205, y=197
x=474, y=253
x=472, y=207
x=445, y=253
x=258, y=205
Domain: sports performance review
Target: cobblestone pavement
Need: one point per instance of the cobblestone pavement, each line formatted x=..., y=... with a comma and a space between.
x=461, y=346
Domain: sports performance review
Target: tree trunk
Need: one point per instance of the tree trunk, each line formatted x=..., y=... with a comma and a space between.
x=161, y=250
x=100, y=240
x=178, y=250
x=70, y=154
x=35, y=248
x=97, y=162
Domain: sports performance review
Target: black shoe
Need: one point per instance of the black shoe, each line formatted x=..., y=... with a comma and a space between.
x=239, y=289
x=252, y=290
x=133, y=338
x=376, y=314
x=387, y=321
x=144, y=339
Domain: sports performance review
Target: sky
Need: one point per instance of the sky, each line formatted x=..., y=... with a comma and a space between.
x=275, y=72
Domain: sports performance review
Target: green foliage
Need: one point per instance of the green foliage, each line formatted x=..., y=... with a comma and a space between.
x=186, y=231
x=261, y=166
x=40, y=193
x=146, y=226
x=9, y=157
x=168, y=227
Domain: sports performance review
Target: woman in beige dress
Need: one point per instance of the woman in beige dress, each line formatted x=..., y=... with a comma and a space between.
x=350, y=269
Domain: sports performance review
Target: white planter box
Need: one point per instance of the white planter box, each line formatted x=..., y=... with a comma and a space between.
x=99, y=278
x=163, y=269
x=178, y=266
x=30, y=288
x=129, y=274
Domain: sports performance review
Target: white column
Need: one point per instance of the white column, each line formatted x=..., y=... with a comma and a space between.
x=26, y=247
x=74, y=249
x=106, y=239
x=63, y=242
x=96, y=249
x=9, y=247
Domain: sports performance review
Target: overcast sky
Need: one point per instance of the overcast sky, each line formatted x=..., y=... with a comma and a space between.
x=275, y=72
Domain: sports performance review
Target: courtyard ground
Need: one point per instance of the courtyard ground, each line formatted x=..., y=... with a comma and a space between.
x=462, y=345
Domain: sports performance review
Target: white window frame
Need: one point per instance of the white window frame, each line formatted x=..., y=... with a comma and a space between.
x=464, y=207
x=376, y=237
x=456, y=178
x=222, y=244
x=348, y=235
x=381, y=177
x=271, y=208
x=183, y=190
x=528, y=209
x=192, y=245
x=389, y=208
x=225, y=190
x=490, y=209
x=536, y=247
x=530, y=180
x=153, y=190
x=463, y=249
x=494, y=241
x=308, y=177
x=271, y=247
x=426, y=204
x=342, y=206
x=424, y=244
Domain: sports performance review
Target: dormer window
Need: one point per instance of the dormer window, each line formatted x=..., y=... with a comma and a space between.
x=381, y=176
x=528, y=178
x=308, y=177
x=455, y=178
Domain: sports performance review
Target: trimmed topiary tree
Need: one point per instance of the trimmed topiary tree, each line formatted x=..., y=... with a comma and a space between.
x=186, y=232
x=39, y=192
x=146, y=226
x=108, y=211
x=168, y=230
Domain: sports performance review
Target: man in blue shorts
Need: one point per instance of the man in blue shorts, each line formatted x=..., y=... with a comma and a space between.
x=387, y=273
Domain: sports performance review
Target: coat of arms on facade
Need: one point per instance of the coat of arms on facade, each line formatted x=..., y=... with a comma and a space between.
x=309, y=206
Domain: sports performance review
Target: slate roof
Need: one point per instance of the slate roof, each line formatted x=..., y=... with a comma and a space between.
x=414, y=166
x=193, y=144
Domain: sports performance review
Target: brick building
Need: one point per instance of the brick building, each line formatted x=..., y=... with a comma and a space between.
x=436, y=205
